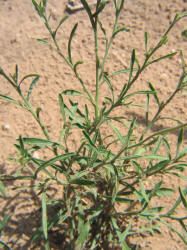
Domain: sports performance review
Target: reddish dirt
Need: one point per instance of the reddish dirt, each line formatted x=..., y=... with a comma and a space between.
x=19, y=27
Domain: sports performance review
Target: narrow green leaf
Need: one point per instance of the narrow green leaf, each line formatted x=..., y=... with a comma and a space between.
x=121, y=72
x=154, y=190
x=156, y=209
x=163, y=57
x=32, y=86
x=146, y=39
x=184, y=226
x=38, y=110
x=179, y=142
x=182, y=153
x=154, y=157
x=79, y=175
x=60, y=23
x=51, y=161
x=61, y=103
x=76, y=64
x=158, y=167
x=138, y=168
x=121, y=5
x=95, y=215
x=109, y=85
x=163, y=41
x=2, y=189
x=4, y=221
x=115, y=184
x=125, y=233
x=117, y=132
x=43, y=142
x=164, y=191
x=82, y=181
x=88, y=139
x=155, y=94
x=100, y=6
x=138, y=93
x=184, y=14
x=147, y=110
x=37, y=7
x=182, y=62
x=28, y=76
x=157, y=145
x=167, y=147
x=172, y=210
x=70, y=40
x=103, y=30
x=44, y=41
x=120, y=30
x=16, y=74
x=184, y=33
x=175, y=230
x=120, y=199
x=86, y=112
x=83, y=236
x=120, y=235
x=183, y=199
x=72, y=115
x=115, y=5
x=143, y=192
x=9, y=99
x=109, y=99
x=44, y=216
x=72, y=92
x=87, y=8
x=133, y=56
x=20, y=140
x=44, y=3
x=179, y=175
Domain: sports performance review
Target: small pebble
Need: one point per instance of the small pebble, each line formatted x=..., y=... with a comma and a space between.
x=5, y=127
x=35, y=154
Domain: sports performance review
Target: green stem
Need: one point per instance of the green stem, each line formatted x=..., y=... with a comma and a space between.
x=29, y=108
x=163, y=131
x=97, y=71
x=162, y=106
x=68, y=62
x=108, y=47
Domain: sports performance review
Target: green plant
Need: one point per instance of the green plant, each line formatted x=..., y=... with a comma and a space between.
x=95, y=177
x=5, y=219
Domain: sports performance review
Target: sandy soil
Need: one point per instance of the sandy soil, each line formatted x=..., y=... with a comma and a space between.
x=19, y=28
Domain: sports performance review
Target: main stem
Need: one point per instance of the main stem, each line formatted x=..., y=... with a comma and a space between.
x=97, y=72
